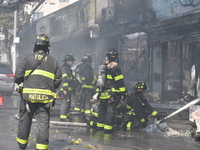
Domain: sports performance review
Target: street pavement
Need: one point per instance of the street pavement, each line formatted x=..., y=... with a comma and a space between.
x=84, y=138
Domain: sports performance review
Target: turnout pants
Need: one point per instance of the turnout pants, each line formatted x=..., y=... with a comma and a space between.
x=133, y=122
x=65, y=106
x=83, y=102
x=42, y=116
x=106, y=115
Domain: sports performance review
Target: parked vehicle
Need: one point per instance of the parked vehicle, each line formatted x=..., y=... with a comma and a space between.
x=1, y=99
x=6, y=79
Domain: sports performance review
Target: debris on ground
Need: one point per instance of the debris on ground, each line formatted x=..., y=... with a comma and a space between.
x=76, y=142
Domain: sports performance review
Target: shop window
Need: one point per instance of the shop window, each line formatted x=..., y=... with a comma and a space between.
x=37, y=16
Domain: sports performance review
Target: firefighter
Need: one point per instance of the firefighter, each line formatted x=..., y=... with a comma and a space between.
x=85, y=75
x=68, y=84
x=138, y=109
x=38, y=92
x=111, y=89
x=95, y=110
x=94, y=113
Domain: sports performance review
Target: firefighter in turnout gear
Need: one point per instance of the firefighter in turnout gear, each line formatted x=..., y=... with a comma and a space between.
x=40, y=81
x=85, y=74
x=111, y=88
x=67, y=86
x=95, y=110
x=138, y=109
x=94, y=113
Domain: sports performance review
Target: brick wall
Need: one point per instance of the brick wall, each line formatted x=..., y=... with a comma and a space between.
x=170, y=8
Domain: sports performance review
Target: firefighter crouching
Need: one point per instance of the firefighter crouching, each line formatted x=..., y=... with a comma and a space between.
x=68, y=84
x=138, y=109
x=111, y=88
x=38, y=93
x=85, y=75
x=95, y=110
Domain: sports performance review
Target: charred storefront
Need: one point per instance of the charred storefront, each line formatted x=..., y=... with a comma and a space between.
x=174, y=52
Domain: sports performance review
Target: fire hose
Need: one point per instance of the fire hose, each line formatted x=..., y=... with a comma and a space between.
x=176, y=112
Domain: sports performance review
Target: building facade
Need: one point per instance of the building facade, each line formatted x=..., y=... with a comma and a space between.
x=157, y=40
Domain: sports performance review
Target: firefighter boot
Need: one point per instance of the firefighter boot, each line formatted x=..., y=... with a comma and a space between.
x=22, y=146
x=68, y=119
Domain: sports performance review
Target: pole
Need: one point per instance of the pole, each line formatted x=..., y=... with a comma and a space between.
x=14, y=45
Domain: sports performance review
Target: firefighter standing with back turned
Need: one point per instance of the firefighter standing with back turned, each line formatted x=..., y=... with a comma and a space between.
x=138, y=108
x=85, y=75
x=67, y=86
x=111, y=91
x=38, y=93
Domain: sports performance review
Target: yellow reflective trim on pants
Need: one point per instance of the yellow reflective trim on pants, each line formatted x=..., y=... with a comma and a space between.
x=21, y=141
x=39, y=91
x=82, y=110
x=128, y=107
x=83, y=78
x=91, y=123
x=128, y=126
x=133, y=113
x=154, y=113
x=95, y=114
x=87, y=112
x=41, y=72
x=129, y=113
x=77, y=109
x=64, y=75
x=122, y=89
x=100, y=125
x=119, y=77
x=142, y=120
x=118, y=106
x=63, y=116
x=107, y=127
x=41, y=146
